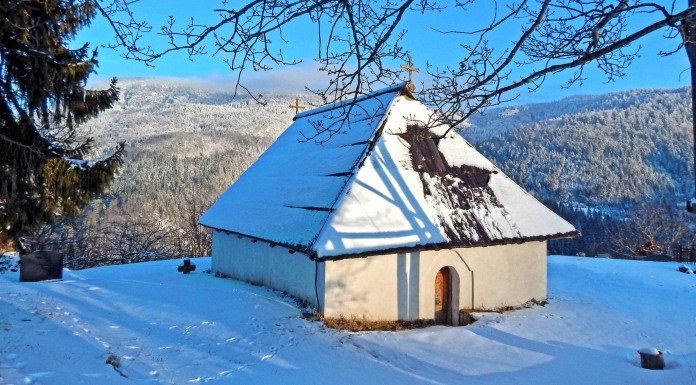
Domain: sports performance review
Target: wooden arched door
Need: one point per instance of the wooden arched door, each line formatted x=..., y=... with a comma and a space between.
x=443, y=296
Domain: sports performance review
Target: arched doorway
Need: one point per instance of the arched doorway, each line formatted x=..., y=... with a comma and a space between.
x=447, y=297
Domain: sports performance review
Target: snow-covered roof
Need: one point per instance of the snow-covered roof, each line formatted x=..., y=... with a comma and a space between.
x=383, y=182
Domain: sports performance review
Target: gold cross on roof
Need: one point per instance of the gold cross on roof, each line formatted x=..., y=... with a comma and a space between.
x=297, y=106
x=411, y=69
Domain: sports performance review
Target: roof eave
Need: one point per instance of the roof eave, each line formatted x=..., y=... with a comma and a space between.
x=291, y=248
x=311, y=254
x=449, y=246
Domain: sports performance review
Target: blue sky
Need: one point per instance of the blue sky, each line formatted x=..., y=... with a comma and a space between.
x=649, y=71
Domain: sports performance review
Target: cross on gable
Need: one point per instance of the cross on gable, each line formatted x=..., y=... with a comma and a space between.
x=187, y=267
x=297, y=106
x=411, y=69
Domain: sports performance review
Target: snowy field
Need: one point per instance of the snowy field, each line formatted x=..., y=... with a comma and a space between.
x=163, y=327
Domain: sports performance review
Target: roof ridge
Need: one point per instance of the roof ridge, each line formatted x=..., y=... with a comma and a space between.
x=397, y=87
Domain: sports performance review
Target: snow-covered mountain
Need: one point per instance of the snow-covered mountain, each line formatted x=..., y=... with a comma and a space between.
x=498, y=120
x=611, y=153
x=625, y=147
x=602, y=150
x=597, y=149
x=184, y=140
x=151, y=107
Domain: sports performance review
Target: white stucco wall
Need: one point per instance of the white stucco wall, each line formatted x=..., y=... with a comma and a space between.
x=274, y=267
x=402, y=286
x=389, y=287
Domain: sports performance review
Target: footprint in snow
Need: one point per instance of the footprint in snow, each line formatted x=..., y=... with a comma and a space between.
x=92, y=375
x=103, y=344
x=37, y=376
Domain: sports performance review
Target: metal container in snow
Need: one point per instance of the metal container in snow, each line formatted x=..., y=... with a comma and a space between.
x=651, y=358
x=40, y=266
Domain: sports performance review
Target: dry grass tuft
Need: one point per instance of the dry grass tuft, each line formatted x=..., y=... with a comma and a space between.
x=358, y=324
x=115, y=362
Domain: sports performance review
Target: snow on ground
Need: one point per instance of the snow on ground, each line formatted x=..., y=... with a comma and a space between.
x=168, y=328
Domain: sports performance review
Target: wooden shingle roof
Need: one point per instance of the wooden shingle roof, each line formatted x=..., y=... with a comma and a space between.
x=383, y=182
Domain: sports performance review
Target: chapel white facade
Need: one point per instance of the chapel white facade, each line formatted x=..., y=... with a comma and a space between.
x=385, y=215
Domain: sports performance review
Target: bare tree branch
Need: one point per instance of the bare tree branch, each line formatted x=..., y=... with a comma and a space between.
x=355, y=37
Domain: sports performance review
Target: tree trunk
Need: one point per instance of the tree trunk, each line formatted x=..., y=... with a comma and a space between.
x=690, y=47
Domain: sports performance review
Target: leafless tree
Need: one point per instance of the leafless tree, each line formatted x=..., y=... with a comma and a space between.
x=354, y=37
x=87, y=244
x=77, y=238
x=358, y=41
x=138, y=240
x=195, y=239
x=688, y=34
x=654, y=229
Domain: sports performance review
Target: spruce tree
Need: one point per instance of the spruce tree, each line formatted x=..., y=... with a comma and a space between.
x=43, y=100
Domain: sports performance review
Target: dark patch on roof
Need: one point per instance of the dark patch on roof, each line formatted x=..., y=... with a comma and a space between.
x=426, y=155
x=467, y=195
x=464, y=189
x=424, y=152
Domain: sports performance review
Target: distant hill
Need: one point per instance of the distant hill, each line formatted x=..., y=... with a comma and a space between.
x=585, y=156
x=614, y=149
x=611, y=149
x=169, y=108
x=186, y=142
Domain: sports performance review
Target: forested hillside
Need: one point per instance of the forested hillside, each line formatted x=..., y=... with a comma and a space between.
x=185, y=141
x=615, y=165
x=601, y=150
x=186, y=144
x=604, y=157
x=150, y=107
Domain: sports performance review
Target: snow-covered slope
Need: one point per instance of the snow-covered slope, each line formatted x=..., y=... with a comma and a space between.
x=165, y=327
x=154, y=107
